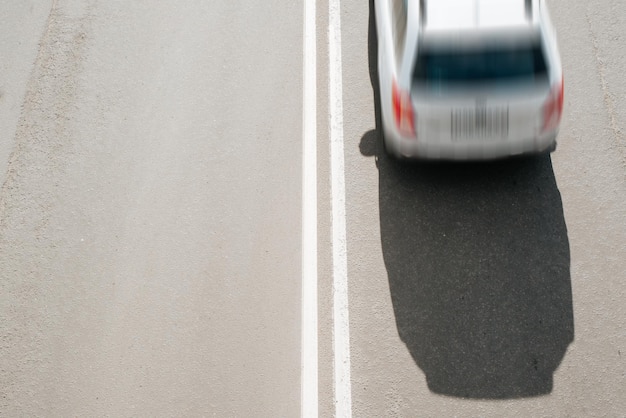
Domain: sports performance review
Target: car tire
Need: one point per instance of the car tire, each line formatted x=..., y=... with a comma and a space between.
x=552, y=148
x=388, y=150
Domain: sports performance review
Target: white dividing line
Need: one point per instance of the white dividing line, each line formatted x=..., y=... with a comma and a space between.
x=309, y=377
x=341, y=320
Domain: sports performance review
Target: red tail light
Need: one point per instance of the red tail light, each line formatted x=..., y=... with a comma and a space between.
x=402, y=110
x=553, y=107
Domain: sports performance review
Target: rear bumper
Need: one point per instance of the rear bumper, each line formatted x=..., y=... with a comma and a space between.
x=486, y=150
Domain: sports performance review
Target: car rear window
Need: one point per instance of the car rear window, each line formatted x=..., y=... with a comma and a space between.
x=442, y=66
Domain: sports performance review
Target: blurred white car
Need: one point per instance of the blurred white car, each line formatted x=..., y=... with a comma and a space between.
x=468, y=79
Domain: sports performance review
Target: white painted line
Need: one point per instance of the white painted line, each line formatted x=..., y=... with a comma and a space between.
x=341, y=320
x=309, y=359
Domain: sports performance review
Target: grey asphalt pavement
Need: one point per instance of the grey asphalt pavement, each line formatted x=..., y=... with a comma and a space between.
x=151, y=225
x=150, y=216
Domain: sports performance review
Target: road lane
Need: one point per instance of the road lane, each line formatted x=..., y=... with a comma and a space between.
x=151, y=218
x=493, y=289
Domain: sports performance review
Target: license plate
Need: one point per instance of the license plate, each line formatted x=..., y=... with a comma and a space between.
x=480, y=123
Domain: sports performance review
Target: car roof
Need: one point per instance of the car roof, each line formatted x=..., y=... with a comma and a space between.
x=477, y=14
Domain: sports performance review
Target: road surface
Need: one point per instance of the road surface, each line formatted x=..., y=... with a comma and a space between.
x=150, y=233
x=159, y=235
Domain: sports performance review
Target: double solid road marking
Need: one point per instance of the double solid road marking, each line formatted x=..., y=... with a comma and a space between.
x=341, y=323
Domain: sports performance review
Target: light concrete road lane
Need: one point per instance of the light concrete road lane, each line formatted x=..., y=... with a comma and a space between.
x=151, y=216
x=492, y=289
